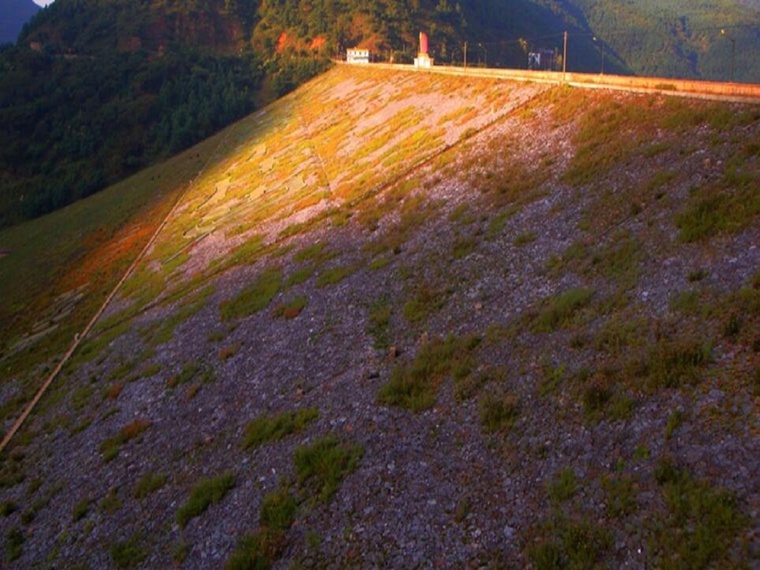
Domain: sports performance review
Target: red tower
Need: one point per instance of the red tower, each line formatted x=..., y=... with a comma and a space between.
x=423, y=43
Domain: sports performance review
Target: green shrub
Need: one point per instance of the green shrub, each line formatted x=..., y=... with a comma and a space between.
x=274, y=427
x=205, y=493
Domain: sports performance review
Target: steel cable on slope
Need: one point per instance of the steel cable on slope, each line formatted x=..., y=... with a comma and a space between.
x=81, y=336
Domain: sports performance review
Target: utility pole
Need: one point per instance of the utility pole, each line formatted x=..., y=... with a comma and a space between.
x=465, y=55
x=733, y=52
x=564, y=58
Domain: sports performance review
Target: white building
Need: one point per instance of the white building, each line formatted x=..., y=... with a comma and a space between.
x=356, y=55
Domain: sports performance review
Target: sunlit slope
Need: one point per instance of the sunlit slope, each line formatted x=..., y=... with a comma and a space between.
x=338, y=140
x=400, y=317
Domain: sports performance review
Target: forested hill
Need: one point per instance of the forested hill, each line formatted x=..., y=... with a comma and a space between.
x=98, y=89
x=13, y=15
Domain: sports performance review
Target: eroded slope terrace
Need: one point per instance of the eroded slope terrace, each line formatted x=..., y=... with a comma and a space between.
x=405, y=320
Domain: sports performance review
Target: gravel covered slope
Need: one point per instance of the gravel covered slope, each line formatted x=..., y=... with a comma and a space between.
x=528, y=316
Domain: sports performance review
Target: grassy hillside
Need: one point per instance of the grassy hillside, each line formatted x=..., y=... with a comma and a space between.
x=406, y=317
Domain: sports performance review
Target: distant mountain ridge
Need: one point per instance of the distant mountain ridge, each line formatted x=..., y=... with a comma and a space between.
x=13, y=15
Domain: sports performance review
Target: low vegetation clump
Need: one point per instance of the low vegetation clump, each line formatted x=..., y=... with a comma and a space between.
x=255, y=297
x=274, y=427
x=498, y=412
x=414, y=385
x=205, y=493
x=380, y=313
x=292, y=308
x=110, y=448
x=558, y=311
x=322, y=466
x=671, y=363
x=702, y=523
x=14, y=544
x=334, y=275
x=128, y=554
x=567, y=543
x=425, y=301
x=191, y=371
x=564, y=486
x=278, y=510
x=149, y=483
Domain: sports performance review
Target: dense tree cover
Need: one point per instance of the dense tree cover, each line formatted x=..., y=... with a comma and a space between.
x=114, y=85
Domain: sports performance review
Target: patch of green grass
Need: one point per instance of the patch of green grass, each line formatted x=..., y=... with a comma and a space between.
x=111, y=502
x=334, y=275
x=499, y=411
x=569, y=544
x=257, y=551
x=596, y=394
x=525, y=239
x=686, y=302
x=563, y=487
x=702, y=525
x=81, y=509
x=559, y=311
x=128, y=554
x=192, y=371
x=204, y=494
x=316, y=254
x=379, y=317
x=7, y=508
x=462, y=214
x=552, y=377
x=292, y=308
x=246, y=253
x=414, y=385
x=255, y=297
x=110, y=448
x=725, y=207
x=14, y=544
x=165, y=331
x=278, y=509
x=269, y=428
x=467, y=384
x=149, y=483
x=300, y=275
x=497, y=224
x=620, y=495
x=619, y=334
x=674, y=422
x=424, y=301
x=322, y=466
x=672, y=363
x=463, y=246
